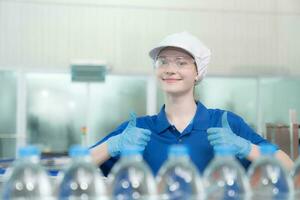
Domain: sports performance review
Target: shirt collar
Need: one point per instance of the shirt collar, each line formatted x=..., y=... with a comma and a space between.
x=162, y=121
x=202, y=118
x=199, y=122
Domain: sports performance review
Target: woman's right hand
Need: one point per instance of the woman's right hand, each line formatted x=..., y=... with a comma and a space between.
x=132, y=136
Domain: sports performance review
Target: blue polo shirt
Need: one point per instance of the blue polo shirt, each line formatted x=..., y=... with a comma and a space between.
x=194, y=136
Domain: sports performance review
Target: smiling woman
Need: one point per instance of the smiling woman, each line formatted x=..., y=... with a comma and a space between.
x=180, y=63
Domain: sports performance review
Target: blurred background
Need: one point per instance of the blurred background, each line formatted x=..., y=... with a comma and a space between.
x=254, y=70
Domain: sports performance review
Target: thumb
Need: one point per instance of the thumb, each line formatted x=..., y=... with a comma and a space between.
x=132, y=121
x=225, y=123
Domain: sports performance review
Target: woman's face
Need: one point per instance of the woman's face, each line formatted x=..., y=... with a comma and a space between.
x=176, y=71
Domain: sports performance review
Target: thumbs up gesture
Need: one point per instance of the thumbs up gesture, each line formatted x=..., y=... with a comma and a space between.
x=132, y=136
x=225, y=136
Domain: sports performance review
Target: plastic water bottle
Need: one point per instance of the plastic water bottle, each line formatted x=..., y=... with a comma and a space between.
x=225, y=178
x=81, y=179
x=27, y=179
x=268, y=178
x=131, y=178
x=178, y=178
x=295, y=174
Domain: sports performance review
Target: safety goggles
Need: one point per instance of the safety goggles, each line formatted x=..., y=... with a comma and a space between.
x=179, y=62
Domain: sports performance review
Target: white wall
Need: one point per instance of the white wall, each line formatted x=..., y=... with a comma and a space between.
x=246, y=36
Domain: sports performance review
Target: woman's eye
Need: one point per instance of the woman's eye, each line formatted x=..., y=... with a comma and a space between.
x=164, y=62
x=182, y=63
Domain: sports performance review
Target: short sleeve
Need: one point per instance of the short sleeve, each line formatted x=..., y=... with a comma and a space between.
x=242, y=129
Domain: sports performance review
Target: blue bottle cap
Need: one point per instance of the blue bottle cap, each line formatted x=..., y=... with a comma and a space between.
x=78, y=151
x=224, y=150
x=28, y=151
x=178, y=150
x=131, y=151
x=267, y=149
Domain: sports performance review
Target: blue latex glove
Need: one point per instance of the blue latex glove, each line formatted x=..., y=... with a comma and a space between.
x=225, y=136
x=132, y=136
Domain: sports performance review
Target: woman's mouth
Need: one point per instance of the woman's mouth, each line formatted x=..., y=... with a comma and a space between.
x=171, y=80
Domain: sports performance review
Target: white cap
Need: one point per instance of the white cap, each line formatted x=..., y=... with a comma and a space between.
x=189, y=43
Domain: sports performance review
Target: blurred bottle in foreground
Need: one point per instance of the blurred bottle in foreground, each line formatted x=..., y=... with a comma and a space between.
x=178, y=178
x=268, y=178
x=295, y=174
x=27, y=179
x=225, y=178
x=81, y=180
x=131, y=178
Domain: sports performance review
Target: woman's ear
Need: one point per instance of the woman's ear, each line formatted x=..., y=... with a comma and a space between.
x=197, y=80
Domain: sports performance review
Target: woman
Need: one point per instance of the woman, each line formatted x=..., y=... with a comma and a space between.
x=180, y=62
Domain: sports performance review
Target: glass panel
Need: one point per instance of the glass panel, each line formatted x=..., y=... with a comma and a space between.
x=112, y=102
x=8, y=106
x=278, y=95
x=54, y=111
x=58, y=109
x=234, y=94
x=7, y=148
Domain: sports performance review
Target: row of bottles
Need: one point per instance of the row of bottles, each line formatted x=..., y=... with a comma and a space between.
x=131, y=178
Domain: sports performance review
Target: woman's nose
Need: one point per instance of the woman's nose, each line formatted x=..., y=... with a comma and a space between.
x=170, y=72
x=171, y=68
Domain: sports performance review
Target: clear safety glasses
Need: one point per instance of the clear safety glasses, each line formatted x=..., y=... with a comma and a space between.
x=179, y=62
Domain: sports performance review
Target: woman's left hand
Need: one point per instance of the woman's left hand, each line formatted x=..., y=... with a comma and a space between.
x=225, y=136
